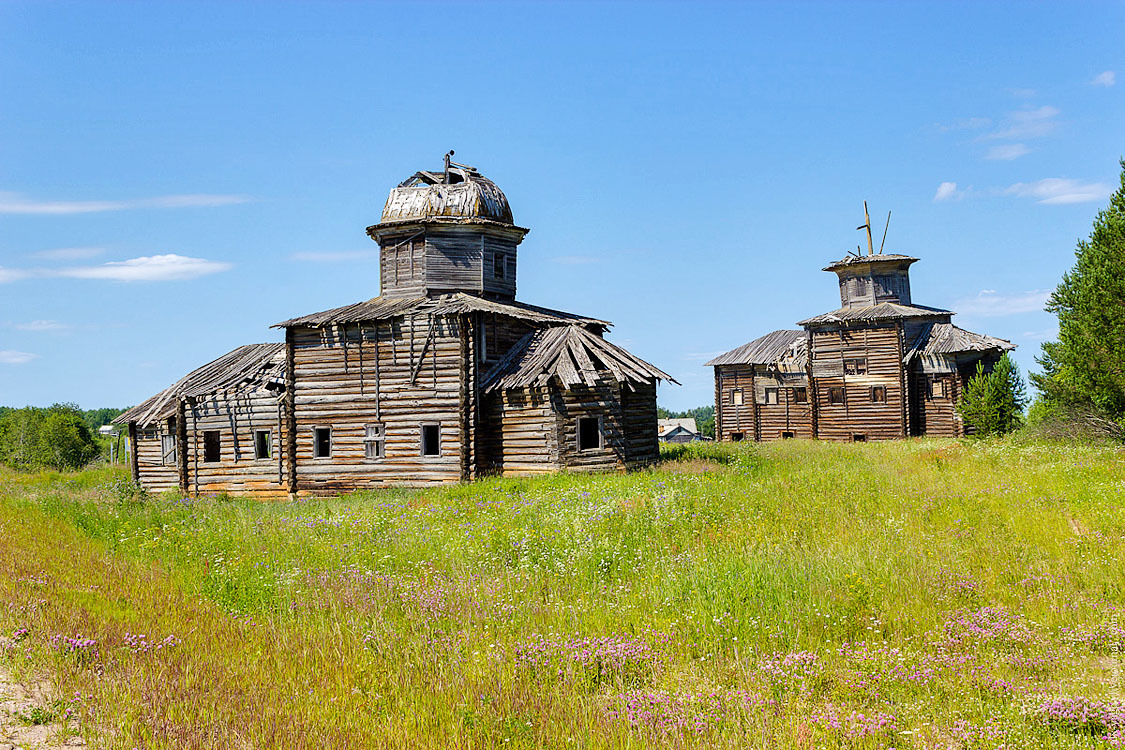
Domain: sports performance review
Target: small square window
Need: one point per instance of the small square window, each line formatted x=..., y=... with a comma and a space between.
x=211, y=446
x=589, y=433
x=800, y=395
x=859, y=437
x=431, y=440
x=879, y=394
x=836, y=395
x=855, y=366
x=736, y=397
x=771, y=396
x=788, y=435
x=737, y=437
x=263, y=443
x=374, y=441
x=935, y=388
x=168, y=450
x=322, y=442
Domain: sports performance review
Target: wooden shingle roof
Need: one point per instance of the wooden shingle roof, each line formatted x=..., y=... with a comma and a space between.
x=573, y=355
x=946, y=338
x=383, y=308
x=772, y=349
x=881, y=311
x=256, y=363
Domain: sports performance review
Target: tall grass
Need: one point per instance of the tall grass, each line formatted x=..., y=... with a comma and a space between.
x=911, y=594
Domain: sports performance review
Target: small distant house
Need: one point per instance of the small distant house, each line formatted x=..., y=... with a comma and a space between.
x=443, y=377
x=678, y=430
x=879, y=367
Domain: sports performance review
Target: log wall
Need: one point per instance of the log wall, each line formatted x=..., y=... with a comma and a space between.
x=236, y=417
x=732, y=418
x=519, y=433
x=859, y=414
x=152, y=473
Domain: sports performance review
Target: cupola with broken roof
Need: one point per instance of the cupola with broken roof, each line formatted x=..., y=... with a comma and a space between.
x=447, y=231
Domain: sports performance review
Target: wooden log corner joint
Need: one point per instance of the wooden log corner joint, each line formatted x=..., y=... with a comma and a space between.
x=443, y=377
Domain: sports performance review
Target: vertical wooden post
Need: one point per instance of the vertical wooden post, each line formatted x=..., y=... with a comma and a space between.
x=181, y=454
x=464, y=409
x=902, y=379
x=134, y=468
x=291, y=411
x=814, y=391
x=754, y=403
x=718, y=405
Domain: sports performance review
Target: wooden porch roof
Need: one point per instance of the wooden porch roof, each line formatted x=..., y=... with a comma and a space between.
x=258, y=363
x=770, y=349
x=946, y=338
x=574, y=355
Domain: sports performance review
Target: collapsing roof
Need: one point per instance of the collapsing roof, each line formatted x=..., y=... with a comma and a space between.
x=777, y=348
x=382, y=308
x=574, y=356
x=946, y=338
x=858, y=260
x=427, y=196
x=258, y=363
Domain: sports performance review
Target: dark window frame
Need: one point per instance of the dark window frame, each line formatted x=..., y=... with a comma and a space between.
x=258, y=455
x=500, y=266
x=737, y=397
x=317, y=452
x=212, y=446
x=773, y=391
x=165, y=450
x=581, y=444
x=433, y=429
x=859, y=437
x=878, y=394
x=737, y=437
x=800, y=394
x=837, y=396
x=788, y=434
x=858, y=366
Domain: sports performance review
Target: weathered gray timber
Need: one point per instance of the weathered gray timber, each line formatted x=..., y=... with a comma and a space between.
x=880, y=367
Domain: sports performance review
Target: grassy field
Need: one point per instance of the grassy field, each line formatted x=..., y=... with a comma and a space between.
x=921, y=594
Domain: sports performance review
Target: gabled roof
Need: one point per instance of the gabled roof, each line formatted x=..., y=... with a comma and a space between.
x=382, y=308
x=666, y=426
x=777, y=348
x=881, y=311
x=946, y=338
x=258, y=363
x=574, y=356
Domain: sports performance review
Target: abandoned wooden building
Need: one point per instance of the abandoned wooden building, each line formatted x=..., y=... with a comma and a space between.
x=443, y=377
x=879, y=367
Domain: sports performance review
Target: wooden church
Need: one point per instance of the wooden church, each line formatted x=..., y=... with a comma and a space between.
x=880, y=367
x=444, y=377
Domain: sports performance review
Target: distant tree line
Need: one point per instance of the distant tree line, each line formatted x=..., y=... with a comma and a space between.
x=704, y=417
x=59, y=437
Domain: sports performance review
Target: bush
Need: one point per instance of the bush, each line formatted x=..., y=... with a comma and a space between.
x=993, y=401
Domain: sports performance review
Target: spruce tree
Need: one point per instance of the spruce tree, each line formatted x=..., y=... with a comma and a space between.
x=993, y=402
x=1086, y=366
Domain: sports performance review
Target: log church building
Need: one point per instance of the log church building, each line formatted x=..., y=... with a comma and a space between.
x=879, y=367
x=444, y=377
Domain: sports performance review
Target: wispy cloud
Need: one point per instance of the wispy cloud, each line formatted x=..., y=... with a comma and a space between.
x=15, y=203
x=992, y=304
x=334, y=256
x=11, y=274
x=68, y=253
x=964, y=123
x=169, y=267
x=1007, y=152
x=575, y=260
x=1023, y=93
x=947, y=191
x=38, y=326
x=12, y=357
x=1044, y=335
x=1029, y=122
x=1106, y=78
x=1059, y=190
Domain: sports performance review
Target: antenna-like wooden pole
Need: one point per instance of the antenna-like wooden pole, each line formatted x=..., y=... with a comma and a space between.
x=867, y=225
x=445, y=180
x=885, y=233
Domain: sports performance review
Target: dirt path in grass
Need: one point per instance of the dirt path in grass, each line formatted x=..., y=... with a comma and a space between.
x=18, y=700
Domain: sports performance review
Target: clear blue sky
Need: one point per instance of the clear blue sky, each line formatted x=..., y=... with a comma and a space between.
x=176, y=177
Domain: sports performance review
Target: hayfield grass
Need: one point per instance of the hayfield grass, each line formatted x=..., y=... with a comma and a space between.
x=918, y=594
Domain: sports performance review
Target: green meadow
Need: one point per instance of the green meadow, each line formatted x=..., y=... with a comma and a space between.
x=916, y=594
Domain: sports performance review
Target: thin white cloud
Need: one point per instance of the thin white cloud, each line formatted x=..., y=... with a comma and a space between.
x=1106, y=78
x=1023, y=93
x=1029, y=122
x=574, y=260
x=11, y=274
x=964, y=123
x=12, y=357
x=169, y=267
x=1060, y=190
x=947, y=191
x=1044, y=335
x=992, y=304
x=38, y=326
x=1007, y=152
x=334, y=256
x=68, y=253
x=14, y=203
